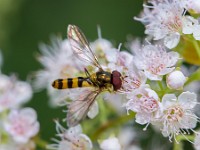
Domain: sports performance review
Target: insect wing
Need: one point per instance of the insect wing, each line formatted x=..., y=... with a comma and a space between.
x=78, y=109
x=81, y=47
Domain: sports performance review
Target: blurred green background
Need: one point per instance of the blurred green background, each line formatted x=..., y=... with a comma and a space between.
x=26, y=23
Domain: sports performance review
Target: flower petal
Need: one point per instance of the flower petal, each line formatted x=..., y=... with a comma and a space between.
x=188, y=122
x=187, y=100
x=94, y=110
x=196, y=32
x=168, y=100
x=172, y=40
x=142, y=118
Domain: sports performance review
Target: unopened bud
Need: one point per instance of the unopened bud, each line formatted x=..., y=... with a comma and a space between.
x=176, y=80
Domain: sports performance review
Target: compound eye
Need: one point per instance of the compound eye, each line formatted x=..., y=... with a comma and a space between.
x=116, y=80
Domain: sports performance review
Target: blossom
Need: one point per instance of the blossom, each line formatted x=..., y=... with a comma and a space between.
x=155, y=61
x=145, y=103
x=134, y=79
x=22, y=124
x=178, y=114
x=176, y=80
x=13, y=92
x=165, y=20
x=57, y=62
x=73, y=139
x=111, y=143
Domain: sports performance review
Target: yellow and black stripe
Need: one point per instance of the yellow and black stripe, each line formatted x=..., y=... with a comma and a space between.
x=71, y=83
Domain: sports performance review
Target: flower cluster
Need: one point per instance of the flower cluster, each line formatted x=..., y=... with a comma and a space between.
x=17, y=125
x=153, y=84
x=166, y=20
x=73, y=139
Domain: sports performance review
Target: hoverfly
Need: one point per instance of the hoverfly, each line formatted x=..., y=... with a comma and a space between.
x=101, y=80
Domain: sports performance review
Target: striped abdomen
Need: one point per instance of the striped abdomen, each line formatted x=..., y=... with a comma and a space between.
x=71, y=83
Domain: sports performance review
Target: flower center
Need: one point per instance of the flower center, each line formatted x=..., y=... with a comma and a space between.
x=174, y=114
x=174, y=24
x=148, y=104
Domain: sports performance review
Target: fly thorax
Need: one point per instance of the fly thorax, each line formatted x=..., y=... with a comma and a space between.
x=103, y=77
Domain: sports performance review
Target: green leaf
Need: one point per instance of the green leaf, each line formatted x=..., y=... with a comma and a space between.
x=194, y=77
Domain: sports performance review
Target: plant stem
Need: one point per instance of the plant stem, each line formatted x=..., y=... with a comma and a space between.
x=112, y=123
x=180, y=138
x=40, y=142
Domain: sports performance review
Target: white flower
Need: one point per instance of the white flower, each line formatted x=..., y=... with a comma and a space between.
x=165, y=20
x=22, y=124
x=145, y=103
x=111, y=143
x=176, y=80
x=178, y=114
x=155, y=61
x=72, y=139
x=134, y=80
x=58, y=62
x=13, y=92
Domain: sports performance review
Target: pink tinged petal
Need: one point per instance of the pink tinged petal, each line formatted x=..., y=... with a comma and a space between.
x=73, y=131
x=166, y=71
x=94, y=110
x=23, y=92
x=168, y=100
x=188, y=122
x=187, y=100
x=86, y=141
x=132, y=105
x=157, y=35
x=21, y=139
x=111, y=55
x=34, y=129
x=29, y=114
x=151, y=93
x=173, y=58
x=172, y=40
x=124, y=58
x=21, y=126
x=143, y=78
x=152, y=76
x=143, y=118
